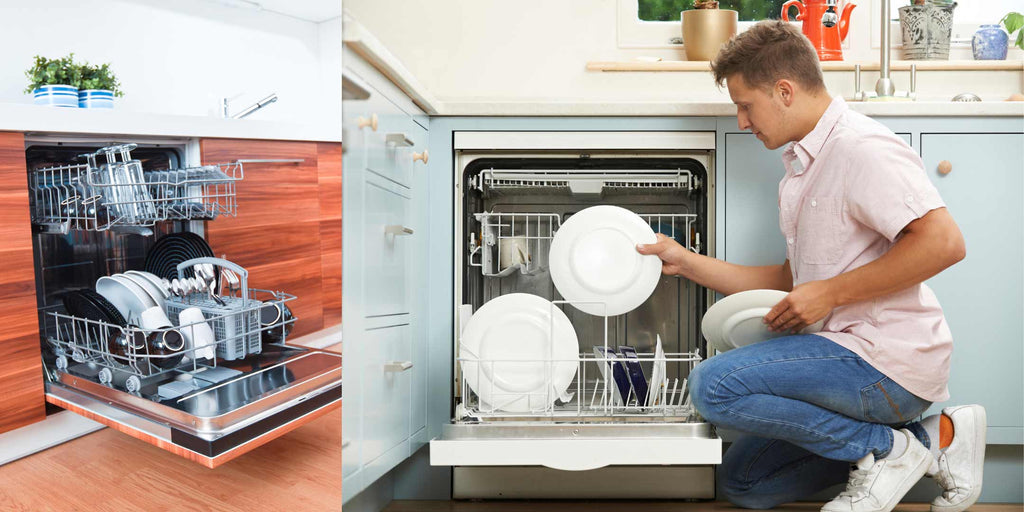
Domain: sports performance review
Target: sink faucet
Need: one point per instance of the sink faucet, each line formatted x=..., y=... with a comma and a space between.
x=884, y=87
x=248, y=110
x=830, y=18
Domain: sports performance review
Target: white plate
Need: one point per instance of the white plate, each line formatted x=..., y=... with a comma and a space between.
x=519, y=327
x=736, y=320
x=151, y=289
x=593, y=259
x=164, y=292
x=129, y=298
x=657, y=376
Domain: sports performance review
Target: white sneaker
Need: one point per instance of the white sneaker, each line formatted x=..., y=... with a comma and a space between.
x=877, y=486
x=960, y=466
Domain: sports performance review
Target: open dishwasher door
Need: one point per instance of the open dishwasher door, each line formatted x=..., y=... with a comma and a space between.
x=594, y=438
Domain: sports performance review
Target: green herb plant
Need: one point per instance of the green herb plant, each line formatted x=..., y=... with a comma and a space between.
x=62, y=71
x=1013, y=22
x=99, y=77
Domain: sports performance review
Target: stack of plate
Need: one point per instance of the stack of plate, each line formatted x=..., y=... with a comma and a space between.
x=737, y=320
x=163, y=258
x=132, y=292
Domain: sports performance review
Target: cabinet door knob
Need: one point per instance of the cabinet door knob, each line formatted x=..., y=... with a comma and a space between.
x=397, y=230
x=398, y=366
x=371, y=122
x=945, y=167
x=421, y=156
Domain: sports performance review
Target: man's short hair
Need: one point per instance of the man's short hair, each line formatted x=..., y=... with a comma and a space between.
x=766, y=53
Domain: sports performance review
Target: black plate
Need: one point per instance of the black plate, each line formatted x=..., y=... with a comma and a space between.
x=169, y=251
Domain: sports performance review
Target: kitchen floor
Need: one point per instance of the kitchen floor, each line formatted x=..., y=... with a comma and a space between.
x=111, y=471
x=632, y=506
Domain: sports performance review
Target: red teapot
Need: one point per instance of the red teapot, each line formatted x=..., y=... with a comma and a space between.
x=822, y=25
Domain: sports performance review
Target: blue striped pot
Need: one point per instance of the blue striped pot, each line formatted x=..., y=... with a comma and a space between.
x=95, y=98
x=56, y=96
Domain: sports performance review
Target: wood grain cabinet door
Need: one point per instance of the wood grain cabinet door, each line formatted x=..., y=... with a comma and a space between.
x=21, y=374
x=287, y=233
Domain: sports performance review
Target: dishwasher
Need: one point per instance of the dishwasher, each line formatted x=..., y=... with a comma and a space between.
x=98, y=208
x=586, y=443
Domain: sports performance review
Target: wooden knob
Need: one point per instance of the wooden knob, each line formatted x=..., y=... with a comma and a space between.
x=945, y=167
x=371, y=122
x=421, y=156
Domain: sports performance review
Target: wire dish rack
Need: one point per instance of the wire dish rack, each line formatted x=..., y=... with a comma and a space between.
x=602, y=389
x=582, y=182
x=520, y=242
x=119, y=193
x=128, y=356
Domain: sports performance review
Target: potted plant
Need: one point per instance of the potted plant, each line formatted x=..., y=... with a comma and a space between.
x=98, y=87
x=927, y=26
x=706, y=28
x=54, y=82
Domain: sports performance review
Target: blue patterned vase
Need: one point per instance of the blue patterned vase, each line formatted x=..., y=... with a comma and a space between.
x=990, y=43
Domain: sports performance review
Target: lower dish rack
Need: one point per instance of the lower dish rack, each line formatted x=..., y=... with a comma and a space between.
x=129, y=357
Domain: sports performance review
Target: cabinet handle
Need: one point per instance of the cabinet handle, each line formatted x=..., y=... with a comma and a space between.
x=421, y=156
x=945, y=167
x=398, y=366
x=398, y=139
x=371, y=122
x=397, y=230
x=345, y=443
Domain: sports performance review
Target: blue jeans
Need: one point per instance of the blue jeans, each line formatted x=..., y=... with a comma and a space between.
x=810, y=408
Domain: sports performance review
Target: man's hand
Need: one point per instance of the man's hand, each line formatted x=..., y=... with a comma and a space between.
x=806, y=304
x=670, y=252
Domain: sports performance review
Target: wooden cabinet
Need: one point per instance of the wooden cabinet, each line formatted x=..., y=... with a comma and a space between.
x=287, y=233
x=21, y=374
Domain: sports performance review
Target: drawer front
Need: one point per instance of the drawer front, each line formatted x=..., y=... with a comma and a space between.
x=389, y=149
x=387, y=247
x=386, y=389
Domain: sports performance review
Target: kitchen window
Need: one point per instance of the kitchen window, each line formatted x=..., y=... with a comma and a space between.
x=749, y=10
x=656, y=23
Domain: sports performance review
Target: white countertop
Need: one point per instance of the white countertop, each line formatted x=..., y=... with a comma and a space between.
x=717, y=108
x=41, y=119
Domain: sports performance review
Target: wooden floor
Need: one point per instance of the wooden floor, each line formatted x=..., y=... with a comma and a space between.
x=632, y=506
x=111, y=471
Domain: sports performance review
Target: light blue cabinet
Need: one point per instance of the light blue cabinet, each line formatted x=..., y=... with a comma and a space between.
x=751, y=190
x=384, y=294
x=982, y=295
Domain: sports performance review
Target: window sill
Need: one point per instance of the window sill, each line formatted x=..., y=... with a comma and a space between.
x=896, y=65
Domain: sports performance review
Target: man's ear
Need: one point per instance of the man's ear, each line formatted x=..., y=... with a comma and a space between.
x=785, y=90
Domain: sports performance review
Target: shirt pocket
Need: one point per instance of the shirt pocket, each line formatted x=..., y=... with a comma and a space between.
x=818, y=229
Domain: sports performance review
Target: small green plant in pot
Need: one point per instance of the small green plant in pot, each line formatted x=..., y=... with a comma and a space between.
x=54, y=82
x=98, y=87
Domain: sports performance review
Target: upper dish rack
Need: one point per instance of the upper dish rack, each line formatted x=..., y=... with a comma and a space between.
x=510, y=242
x=582, y=182
x=118, y=193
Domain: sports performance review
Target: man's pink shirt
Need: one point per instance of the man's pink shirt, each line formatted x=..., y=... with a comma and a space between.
x=851, y=186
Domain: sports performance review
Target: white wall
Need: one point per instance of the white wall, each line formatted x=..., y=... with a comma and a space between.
x=537, y=50
x=180, y=57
